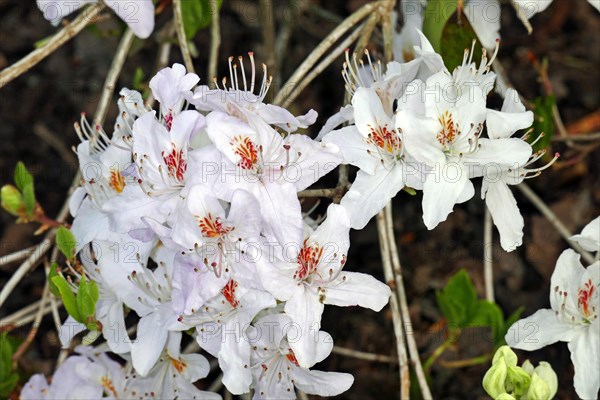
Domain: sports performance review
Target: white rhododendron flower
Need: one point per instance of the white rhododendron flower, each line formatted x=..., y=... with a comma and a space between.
x=138, y=15
x=573, y=318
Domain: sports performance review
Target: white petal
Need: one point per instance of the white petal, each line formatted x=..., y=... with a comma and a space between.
x=589, y=238
x=585, y=354
x=197, y=366
x=149, y=344
x=369, y=112
x=505, y=124
x=353, y=148
x=539, y=330
x=322, y=383
x=305, y=310
x=441, y=192
x=530, y=8
x=357, y=289
x=114, y=329
x=370, y=193
x=280, y=208
x=567, y=275
x=346, y=114
x=139, y=15
x=484, y=16
x=505, y=214
x=419, y=135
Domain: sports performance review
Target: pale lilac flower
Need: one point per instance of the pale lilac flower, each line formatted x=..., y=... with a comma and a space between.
x=138, y=15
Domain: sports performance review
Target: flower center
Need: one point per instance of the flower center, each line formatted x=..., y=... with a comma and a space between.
x=584, y=297
x=246, y=150
x=176, y=164
x=117, y=181
x=308, y=260
x=292, y=357
x=179, y=365
x=384, y=138
x=229, y=292
x=213, y=227
x=449, y=131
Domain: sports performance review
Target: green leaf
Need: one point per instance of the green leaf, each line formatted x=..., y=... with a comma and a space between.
x=542, y=122
x=197, y=14
x=458, y=299
x=87, y=297
x=29, y=198
x=458, y=35
x=65, y=242
x=22, y=176
x=51, y=274
x=68, y=297
x=437, y=13
x=6, y=353
x=514, y=317
x=11, y=200
x=8, y=384
x=138, y=79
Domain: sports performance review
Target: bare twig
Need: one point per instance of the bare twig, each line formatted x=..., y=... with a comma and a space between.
x=34, y=328
x=577, y=138
x=185, y=50
x=323, y=64
x=215, y=40
x=268, y=35
x=16, y=256
x=57, y=143
x=553, y=219
x=318, y=52
x=396, y=316
x=361, y=355
x=63, y=36
x=488, y=256
x=405, y=313
x=113, y=75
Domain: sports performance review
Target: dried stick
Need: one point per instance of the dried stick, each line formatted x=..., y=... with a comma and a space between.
x=185, y=50
x=16, y=256
x=323, y=64
x=558, y=225
x=577, y=138
x=215, y=41
x=361, y=355
x=488, y=256
x=63, y=36
x=32, y=261
x=34, y=328
x=113, y=75
x=321, y=49
x=268, y=34
x=396, y=316
x=401, y=292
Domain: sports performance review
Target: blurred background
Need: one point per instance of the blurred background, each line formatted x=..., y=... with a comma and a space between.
x=38, y=109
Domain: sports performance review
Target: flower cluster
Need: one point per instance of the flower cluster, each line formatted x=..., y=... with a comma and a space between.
x=188, y=218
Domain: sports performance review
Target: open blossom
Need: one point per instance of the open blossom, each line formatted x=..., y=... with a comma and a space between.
x=275, y=369
x=171, y=86
x=573, y=318
x=313, y=275
x=237, y=98
x=138, y=15
x=273, y=168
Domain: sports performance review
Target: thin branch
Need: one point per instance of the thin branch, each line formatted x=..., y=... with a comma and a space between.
x=488, y=256
x=268, y=35
x=63, y=36
x=577, y=138
x=34, y=328
x=361, y=355
x=388, y=30
x=323, y=64
x=396, y=316
x=553, y=219
x=185, y=50
x=16, y=256
x=405, y=313
x=215, y=40
x=113, y=75
x=321, y=49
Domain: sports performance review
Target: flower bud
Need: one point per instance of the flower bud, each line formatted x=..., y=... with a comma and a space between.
x=12, y=201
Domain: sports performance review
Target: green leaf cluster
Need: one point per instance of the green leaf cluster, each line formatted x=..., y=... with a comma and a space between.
x=65, y=241
x=8, y=377
x=20, y=200
x=460, y=306
x=82, y=305
x=543, y=122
